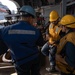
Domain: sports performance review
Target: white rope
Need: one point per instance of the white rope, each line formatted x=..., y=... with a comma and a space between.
x=4, y=58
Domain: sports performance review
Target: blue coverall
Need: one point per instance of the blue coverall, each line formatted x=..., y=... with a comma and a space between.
x=22, y=38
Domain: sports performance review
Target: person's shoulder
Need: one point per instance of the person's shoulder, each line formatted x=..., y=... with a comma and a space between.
x=1, y=26
x=71, y=37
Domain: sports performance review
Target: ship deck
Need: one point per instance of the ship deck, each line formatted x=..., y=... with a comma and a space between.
x=8, y=68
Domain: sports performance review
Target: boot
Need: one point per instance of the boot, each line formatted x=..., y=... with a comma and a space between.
x=52, y=69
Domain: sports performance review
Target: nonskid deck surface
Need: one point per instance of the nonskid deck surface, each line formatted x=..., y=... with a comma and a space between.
x=44, y=71
x=8, y=69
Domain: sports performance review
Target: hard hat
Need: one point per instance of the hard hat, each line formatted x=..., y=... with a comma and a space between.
x=53, y=16
x=28, y=9
x=68, y=21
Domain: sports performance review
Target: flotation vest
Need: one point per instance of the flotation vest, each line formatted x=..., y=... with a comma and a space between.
x=54, y=33
x=70, y=37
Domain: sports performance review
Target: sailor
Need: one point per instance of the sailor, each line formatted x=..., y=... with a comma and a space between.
x=53, y=37
x=23, y=40
x=65, y=55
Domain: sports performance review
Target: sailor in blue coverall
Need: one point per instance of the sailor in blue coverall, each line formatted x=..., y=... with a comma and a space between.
x=23, y=38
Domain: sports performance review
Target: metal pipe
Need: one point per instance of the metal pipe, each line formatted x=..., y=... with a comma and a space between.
x=64, y=4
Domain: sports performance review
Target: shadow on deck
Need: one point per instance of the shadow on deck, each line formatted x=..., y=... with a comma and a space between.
x=8, y=68
x=45, y=64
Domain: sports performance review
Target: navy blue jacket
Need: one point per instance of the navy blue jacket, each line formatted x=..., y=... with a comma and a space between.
x=22, y=39
x=69, y=52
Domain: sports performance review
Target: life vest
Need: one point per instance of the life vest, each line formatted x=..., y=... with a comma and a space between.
x=70, y=37
x=54, y=33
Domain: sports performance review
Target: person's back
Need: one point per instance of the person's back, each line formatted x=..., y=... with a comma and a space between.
x=23, y=38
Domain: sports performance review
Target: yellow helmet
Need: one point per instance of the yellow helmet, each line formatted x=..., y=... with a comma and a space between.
x=53, y=16
x=68, y=21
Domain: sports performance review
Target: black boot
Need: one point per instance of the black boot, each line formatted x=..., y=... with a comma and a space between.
x=52, y=69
